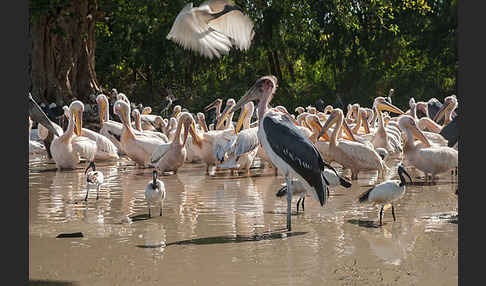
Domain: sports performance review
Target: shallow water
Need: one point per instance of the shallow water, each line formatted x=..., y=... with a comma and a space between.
x=227, y=230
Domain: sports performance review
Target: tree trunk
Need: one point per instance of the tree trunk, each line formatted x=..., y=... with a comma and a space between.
x=63, y=53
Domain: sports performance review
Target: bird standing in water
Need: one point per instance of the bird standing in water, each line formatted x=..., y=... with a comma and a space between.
x=386, y=193
x=93, y=178
x=155, y=192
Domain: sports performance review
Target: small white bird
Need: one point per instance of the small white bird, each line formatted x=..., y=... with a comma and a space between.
x=155, y=192
x=386, y=193
x=93, y=178
x=299, y=189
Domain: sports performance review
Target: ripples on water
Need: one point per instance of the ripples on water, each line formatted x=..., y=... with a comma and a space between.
x=220, y=221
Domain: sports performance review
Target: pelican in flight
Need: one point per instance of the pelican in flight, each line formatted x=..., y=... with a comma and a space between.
x=386, y=193
x=212, y=28
x=351, y=154
x=155, y=192
x=105, y=149
x=109, y=128
x=93, y=178
x=137, y=146
x=67, y=149
x=428, y=158
x=293, y=154
x=172, y=156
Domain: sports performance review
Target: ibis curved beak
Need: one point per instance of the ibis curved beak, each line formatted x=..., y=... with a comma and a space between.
x=385, y=105
x=402, y=170
x=38, y=115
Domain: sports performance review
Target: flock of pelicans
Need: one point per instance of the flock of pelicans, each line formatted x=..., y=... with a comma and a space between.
x=300, y=146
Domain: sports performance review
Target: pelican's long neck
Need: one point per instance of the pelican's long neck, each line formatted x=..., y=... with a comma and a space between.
x=409, y=138
x=177, y=138
x=358, y=123
x=203, y=125
x=70, y=129
x=381, y=123
x=337, y=129
x=138, y=123
x=128, y=125
x=229, y=121
x=413, y=111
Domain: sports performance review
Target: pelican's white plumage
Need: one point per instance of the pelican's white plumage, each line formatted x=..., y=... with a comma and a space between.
x=428, y=158
x=109, y=128
x=67, y=149
x=137, y=146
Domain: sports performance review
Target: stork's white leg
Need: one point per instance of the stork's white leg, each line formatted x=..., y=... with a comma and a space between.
x=289, y=201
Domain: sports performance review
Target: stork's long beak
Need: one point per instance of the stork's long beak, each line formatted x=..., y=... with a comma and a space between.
x=249, y=96
x=78, y=117
x=385, y=105
x=38, y=115
x=212, y=105
x=224, y=115
x=441, y=112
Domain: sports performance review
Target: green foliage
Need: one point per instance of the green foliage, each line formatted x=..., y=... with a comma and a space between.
x=357, y=49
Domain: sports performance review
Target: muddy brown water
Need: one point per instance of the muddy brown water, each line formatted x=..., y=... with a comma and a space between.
x=227, y=230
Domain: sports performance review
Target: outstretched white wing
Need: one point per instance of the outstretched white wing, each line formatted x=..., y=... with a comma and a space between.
x=191, y=31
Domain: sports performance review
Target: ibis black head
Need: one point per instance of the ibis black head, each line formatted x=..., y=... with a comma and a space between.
x=401, y=171
x=154, y=176
x=91, y=165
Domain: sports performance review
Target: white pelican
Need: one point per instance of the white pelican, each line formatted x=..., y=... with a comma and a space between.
x=382, y=137
x=386, y=193
x=351, y=154
x=293, y=154
x=93, y=178
x=204, y=143
x=244, y=147
x=430, y=159
x=226, y=116
x=175, y=153
x=212, y=28
x=171, y=129
x=109, y=128
x=136, y=145
x=105, y=149
x=67, y=148
x=298, y=187
x=217, y=108
x=138, y=127
x=155, y=192
x=426, y=123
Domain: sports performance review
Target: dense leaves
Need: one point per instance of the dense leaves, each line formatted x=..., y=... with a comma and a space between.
x=318, y=49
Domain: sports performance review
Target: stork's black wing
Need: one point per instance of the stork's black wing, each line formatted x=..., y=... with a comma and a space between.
x=297, y=151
